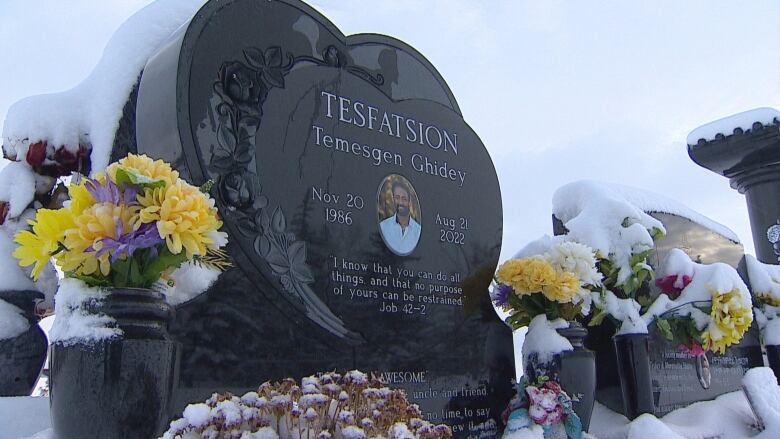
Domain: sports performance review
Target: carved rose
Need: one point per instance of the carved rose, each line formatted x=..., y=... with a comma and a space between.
x=236, y=190
x=240, y=83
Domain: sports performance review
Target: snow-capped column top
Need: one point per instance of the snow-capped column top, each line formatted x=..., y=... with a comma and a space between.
x=727, y=125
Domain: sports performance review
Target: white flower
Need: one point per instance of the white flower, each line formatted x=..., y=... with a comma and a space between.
x=575, y=258
x=584, y=299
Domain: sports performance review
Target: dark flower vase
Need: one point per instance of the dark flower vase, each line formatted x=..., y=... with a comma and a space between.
x=632, y=351
x=121, y=387
x=22, y=357
x=773, y=355
x=574, y=370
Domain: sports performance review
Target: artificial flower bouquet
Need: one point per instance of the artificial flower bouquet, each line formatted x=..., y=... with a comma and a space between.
x=624, y=291
x=542, y=407
x=765, y=281
x=703, y=307
x=126, y=227
x=554, y=279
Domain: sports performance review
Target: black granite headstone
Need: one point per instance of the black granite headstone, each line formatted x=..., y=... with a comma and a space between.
x=679, y=379
x=314, y=140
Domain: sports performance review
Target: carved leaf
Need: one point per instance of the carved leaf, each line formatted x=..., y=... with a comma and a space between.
x=265, y=221
x=288, y=285
x=243, y=133
x=254, y=57
x=298, y=268
x=243, y=153
x=222, y=163
x=262, y=246
x=246, y=226
x=226, y=137
x=275, y=77
x=278, y=222
x=273, y=56
x=278, y=260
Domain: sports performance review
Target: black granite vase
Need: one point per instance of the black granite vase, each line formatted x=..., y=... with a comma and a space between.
x=22, y=357
x=574, y=370
x=119, y=387
x=632, y=351
x=773, y=355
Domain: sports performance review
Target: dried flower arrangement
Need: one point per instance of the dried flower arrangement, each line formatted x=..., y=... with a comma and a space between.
x=325, y=406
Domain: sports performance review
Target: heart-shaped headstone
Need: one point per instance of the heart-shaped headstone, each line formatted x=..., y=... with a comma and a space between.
x=364, y=214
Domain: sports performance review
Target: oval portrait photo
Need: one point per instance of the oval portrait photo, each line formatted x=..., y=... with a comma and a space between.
x=398, y=213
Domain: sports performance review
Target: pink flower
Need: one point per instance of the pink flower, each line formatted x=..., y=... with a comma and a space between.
x=554, y=386
x=673, y=284
x=556, y=415
x=695, y=349
x=544, y=407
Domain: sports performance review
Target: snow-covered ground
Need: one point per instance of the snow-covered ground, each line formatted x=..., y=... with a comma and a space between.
x=727, y=417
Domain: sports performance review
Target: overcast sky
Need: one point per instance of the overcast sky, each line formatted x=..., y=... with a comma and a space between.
x=558, y=91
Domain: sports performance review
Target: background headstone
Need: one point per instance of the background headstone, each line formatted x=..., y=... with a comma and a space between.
x=299, y=127
x=678, y=379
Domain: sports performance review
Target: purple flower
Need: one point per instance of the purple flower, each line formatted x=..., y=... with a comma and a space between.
x=145, y=237
x=500, y=294
x=109, y=192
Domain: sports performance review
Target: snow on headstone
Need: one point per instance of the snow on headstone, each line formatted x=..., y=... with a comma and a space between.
x=89, y=113
x=760, y=387
x=570, y=200
x=727, y=125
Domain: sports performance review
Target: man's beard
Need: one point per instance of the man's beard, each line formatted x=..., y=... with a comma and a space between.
x=402, y=210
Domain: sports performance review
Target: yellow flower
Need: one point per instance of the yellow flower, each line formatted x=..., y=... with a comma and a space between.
x=509, y=270
x=185, y=217
x=729, y=320
x=141, y=165
x=527, y=275
x=769, y=298
x=48, y=230
x=93, y=224
x=563, y=288
x=80, y=198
